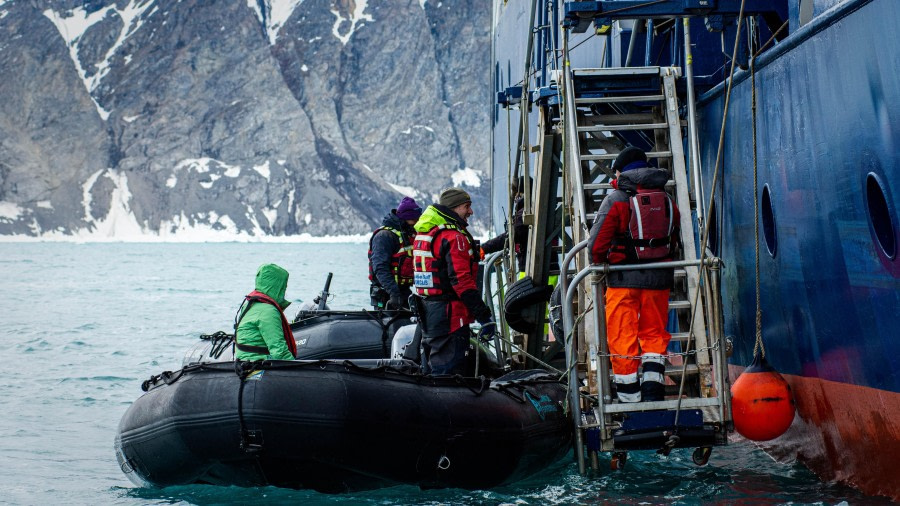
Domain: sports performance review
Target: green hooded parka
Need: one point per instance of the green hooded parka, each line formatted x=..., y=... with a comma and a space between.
x=261, y=323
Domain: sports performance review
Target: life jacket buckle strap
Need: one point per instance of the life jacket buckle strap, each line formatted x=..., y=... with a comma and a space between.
x=262, y=350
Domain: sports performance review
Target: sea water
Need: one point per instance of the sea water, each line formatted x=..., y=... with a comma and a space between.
x=83, y=325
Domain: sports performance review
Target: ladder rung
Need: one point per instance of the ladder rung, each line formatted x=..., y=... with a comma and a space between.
x=675, y=370
x=620, y=99
x=681, y=337
x=612, y=156
x=679, y=304
x=608, y=186
x=620, y=71
x=621, y=119
x=627, y=407
x=618, y=128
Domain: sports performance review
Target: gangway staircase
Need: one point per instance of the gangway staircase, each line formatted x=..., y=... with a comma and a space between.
x=602, y=111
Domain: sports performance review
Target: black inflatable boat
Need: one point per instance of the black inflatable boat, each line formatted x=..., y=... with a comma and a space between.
x=323, y=334
x=341, y=425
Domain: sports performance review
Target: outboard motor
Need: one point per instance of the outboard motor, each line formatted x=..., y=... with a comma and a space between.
x=402, y=339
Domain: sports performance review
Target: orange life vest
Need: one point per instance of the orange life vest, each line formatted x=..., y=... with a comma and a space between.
x=431, y=275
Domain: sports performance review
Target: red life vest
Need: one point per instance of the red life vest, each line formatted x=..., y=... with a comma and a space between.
x=257, y=296
x=431, y=275
x=649, y=235
x=401, y=261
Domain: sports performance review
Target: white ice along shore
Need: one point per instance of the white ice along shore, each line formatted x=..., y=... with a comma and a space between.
x=120, y=224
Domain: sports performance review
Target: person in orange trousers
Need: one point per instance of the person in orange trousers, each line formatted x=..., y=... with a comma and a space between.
x=637, y=223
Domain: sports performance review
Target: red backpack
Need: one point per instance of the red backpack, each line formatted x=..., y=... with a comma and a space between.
x=649, y=236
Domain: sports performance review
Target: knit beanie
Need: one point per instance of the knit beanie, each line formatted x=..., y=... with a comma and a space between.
x=454, y=196
x=408, y=209
x=629, y=156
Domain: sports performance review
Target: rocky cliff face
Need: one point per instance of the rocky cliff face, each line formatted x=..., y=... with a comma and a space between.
x=255, y=117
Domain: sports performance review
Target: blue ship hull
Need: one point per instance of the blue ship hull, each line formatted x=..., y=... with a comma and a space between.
x=828, y=129
x=827, y=153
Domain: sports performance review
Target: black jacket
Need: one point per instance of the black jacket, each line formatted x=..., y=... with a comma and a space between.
x=384, y=245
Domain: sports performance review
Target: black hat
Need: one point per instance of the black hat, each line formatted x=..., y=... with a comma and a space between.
x=454, y=196
x=629, y=155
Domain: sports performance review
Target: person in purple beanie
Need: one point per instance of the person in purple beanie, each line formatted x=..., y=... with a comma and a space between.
x=390, y=256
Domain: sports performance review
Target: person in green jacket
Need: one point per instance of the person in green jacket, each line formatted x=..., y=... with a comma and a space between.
x=262, y=330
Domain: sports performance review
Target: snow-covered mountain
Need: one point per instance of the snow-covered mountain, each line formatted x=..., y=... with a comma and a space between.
x=185, y=118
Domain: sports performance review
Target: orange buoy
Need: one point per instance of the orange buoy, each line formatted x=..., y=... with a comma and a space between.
x=762, y=406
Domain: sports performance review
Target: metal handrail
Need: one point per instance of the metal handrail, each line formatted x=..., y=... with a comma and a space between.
x=568, y=322
x=572, y=148
x=569, y=340
x=491, y=262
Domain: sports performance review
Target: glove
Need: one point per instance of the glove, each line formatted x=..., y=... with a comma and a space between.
x=395, y=303
x=488, y=329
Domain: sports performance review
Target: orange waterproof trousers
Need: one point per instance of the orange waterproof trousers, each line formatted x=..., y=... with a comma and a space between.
x=635, y=323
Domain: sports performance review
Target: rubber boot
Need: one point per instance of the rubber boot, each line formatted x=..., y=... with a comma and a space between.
x=652, y=391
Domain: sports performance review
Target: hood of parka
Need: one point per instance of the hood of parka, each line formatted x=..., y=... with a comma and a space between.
x=435, y=215
x=645, y=177
x=272, y=280
x=393, y=221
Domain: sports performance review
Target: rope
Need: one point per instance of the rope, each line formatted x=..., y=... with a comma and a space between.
x=248, y=442
x=378, y=317
x=532, y=357
x=758, y=347
x=219, y=342
x=705, y=236
x=764, y=46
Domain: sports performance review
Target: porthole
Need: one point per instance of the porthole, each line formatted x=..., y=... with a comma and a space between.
x=880, y=216
x=768, y=222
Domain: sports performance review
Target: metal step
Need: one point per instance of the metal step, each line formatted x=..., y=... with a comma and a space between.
x=620, y=99
x=674, y=371
x=620, y=128
x=612, y=156
x=630, y=407
x=608, y=186
x=621, y=119
x=619, y=71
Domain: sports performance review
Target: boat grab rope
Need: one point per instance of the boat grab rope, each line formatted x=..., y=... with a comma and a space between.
x=168, y=377
x=219, y=342
x=251, y=441
x=378, y=316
